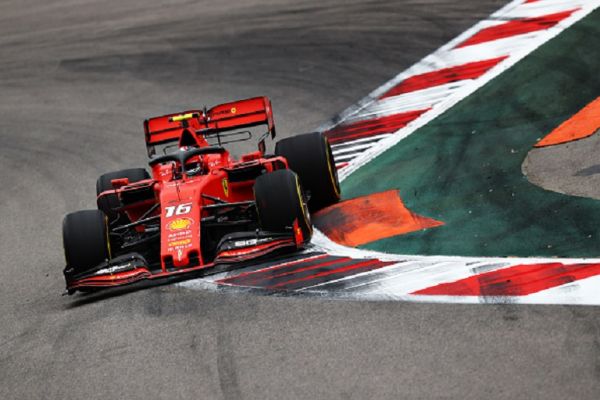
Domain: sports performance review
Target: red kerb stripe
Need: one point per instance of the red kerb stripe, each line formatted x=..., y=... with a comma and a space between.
x=372, y=127
x=472, y=70
x=519, y=280
x=252, y=274
x=516, y=27
x=311, y=267
x=264, y=279
x=359, y=265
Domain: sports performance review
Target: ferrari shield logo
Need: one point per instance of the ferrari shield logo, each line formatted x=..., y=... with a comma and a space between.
x=226, y=187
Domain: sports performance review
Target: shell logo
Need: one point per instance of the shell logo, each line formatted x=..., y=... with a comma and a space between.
x=179, y=224
x=233, y=110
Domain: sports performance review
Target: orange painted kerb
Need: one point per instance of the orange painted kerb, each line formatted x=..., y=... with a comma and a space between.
x=583, y=124
x=368, y=218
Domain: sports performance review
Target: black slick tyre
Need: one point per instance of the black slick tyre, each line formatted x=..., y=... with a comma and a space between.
x=85, y=240
x=310, y=156
x=280, y=201
x=110, y=203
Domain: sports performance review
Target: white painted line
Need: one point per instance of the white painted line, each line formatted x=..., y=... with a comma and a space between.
x=351, y=149
x=345, y=157
x=363, y=140
x=482, y=51
x=583, y=291
x=540, y=8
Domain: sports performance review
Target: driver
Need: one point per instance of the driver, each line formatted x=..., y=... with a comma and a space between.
x=194, y=165
x=187, y=141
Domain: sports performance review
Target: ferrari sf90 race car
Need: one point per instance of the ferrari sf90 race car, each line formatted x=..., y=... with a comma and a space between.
x=200, y=207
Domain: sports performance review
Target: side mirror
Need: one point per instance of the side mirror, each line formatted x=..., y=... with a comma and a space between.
x=119, y=182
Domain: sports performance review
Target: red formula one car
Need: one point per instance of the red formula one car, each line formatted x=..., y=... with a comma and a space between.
x=200, y=207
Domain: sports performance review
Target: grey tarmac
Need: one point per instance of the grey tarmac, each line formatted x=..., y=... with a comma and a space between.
x=78, y=77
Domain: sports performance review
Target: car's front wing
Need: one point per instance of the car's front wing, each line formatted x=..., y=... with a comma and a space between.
x=236, y=250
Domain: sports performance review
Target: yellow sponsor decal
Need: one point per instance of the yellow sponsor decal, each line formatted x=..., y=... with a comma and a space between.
x=233, y=110
x=182, y=117
x=179, y=224
x=226, y=187
x=181, y=242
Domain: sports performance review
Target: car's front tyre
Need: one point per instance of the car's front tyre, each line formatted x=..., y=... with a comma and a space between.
x=85, y=240
x=280, y=202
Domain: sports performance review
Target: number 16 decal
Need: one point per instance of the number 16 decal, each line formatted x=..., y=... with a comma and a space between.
x=181, y=209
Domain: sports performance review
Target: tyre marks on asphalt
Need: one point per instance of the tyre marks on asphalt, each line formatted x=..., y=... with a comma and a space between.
x=303, y=273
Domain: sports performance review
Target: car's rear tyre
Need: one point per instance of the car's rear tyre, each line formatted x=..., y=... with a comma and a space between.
x=85, y=239
x=309, y=155
x=280, y=201
x=110, y=203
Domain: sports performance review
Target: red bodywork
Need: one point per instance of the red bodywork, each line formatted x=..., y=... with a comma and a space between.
x=183, y=202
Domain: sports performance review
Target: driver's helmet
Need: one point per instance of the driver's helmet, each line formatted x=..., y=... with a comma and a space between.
x=194, y=165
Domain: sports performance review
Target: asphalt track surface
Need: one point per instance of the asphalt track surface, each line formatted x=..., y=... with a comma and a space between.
x=77, y=79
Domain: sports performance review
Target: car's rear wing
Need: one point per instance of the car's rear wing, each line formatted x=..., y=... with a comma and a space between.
x=224, y=117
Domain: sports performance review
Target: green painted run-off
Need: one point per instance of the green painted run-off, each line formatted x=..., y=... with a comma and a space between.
x=464, y=168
